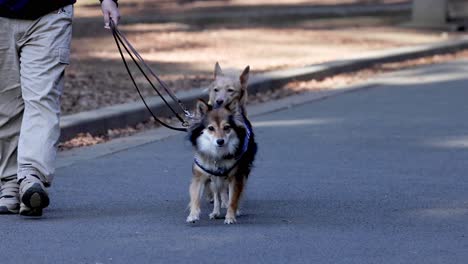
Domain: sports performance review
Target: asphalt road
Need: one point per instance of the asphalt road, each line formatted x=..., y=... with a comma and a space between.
x=372, y=176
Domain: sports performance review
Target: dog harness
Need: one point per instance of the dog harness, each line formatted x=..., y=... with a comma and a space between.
x=223, y=172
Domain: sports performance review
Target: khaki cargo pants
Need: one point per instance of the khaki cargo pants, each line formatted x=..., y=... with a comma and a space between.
x=33, y=57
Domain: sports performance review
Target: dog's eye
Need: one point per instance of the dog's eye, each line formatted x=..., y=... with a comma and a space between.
x=230, y=90
x=211, y=128
x=216, y=90
x=226, y=128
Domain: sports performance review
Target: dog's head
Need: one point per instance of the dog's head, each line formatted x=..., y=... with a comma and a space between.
x=219, y=131
x=226, y=89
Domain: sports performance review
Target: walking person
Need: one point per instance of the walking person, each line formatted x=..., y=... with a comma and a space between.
x=34, y=52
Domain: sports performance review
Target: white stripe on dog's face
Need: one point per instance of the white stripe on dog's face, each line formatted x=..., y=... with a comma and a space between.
x=218, y=139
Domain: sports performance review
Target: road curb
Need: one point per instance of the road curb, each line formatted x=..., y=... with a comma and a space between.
x=268, y=13
x=291, y=13
x=129, y=114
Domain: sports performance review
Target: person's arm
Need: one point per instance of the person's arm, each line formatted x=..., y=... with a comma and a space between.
x=110, y=10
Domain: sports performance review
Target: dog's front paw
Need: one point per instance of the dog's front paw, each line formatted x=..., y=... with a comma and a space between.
x=192, y=219
x=230, y=220
x=214, y=215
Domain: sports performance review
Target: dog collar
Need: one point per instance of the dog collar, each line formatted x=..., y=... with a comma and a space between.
x=220, y=172
x=247, y=136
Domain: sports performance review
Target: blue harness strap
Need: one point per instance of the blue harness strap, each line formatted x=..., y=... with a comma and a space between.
x=220, y=172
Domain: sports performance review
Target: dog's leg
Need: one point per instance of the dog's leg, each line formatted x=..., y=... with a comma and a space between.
x=224, y=195
x=208, y=193
x=236, y=187
x=238, y=211
x=215, y=185
x=196, y=191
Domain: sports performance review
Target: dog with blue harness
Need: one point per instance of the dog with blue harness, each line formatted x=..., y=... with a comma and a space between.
x=225, y=149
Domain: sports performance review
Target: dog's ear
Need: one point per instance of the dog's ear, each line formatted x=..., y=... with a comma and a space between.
x=218, y=71
x=244, y=77
x=202, y=108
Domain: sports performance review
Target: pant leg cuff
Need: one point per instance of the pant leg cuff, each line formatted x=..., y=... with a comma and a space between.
x=25, y=173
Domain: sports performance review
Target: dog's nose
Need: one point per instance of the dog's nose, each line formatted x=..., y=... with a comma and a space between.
x=220, y=142
x=219, y=102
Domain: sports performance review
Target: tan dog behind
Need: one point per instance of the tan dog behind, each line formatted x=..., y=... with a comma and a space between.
x=225, y=89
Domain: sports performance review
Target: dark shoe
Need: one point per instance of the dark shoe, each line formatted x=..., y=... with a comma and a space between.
x=33, y=196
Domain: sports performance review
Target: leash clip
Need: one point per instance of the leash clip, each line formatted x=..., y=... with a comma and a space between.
x=190, y=116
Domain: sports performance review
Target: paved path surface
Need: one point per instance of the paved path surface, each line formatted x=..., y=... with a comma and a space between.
x=372, y=176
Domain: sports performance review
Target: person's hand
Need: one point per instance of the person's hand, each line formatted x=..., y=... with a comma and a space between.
x=110, y=11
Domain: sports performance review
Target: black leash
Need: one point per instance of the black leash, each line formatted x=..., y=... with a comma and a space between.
x=121, y=40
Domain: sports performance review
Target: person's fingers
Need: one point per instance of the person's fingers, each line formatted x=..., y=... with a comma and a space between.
x=106, y=19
